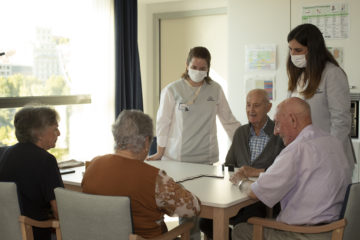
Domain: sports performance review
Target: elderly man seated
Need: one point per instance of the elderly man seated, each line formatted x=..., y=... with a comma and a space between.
x=309, y=177
x=254, y=148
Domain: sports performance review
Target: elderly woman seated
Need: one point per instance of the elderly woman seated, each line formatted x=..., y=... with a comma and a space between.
x=32, y=167
x=124, y=173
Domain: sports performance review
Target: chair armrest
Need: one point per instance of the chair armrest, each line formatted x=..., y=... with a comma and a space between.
x=269, y=223
x=27, y=223
x=41, y=224
x=182, y=228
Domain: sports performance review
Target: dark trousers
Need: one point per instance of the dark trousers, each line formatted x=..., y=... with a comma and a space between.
x=42, y=233
x=255, y=210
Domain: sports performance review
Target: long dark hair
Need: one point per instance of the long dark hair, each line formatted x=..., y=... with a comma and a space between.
x=198, y=52
x=318, y=55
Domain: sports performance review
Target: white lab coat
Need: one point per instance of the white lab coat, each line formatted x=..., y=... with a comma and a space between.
x=188, y=132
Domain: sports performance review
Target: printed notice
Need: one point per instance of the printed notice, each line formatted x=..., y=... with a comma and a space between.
x=331, y=19
x=260, y=57
x=262, y=81
x=337, y=52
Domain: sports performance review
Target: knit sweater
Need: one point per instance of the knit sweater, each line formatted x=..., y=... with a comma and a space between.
x=239, y=152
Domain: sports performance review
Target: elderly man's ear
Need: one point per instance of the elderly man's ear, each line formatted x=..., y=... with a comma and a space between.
x=294, y=120
x=269, y=107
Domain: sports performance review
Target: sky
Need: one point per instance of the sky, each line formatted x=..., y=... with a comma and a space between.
x=19, y=19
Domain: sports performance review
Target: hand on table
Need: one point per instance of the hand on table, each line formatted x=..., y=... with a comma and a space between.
x=244, y=173
x=237, y=177
x=158, y=155
x=155, y=157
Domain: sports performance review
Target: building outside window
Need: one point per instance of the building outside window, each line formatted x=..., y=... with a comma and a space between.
x=60, y=53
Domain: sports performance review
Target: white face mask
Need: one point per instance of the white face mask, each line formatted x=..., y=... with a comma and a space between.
x=196, y=75
x=299, y=60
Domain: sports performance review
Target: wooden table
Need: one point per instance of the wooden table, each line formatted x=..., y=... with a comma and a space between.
x=220, y=199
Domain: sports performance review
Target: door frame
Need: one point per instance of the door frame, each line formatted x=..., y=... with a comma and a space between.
x=157, y=18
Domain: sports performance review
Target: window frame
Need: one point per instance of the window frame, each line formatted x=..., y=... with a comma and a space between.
x=52, y=100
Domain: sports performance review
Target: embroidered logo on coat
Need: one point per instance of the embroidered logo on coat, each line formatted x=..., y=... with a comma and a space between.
x=319, y=90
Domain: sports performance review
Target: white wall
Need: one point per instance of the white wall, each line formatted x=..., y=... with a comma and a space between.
x=256, y=22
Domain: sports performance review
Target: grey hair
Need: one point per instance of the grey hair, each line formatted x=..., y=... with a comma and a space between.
x=131, y=129
x=32, y=120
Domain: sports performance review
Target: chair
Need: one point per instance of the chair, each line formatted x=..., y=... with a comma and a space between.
x=87, y=216
x=349, y=217
x=153, y=146
x=10, y=228
x=351, y=212
x=2, y=150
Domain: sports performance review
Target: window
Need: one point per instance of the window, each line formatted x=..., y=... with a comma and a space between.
x=60, y=53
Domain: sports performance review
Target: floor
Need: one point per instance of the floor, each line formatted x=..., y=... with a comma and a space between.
x=172, y=222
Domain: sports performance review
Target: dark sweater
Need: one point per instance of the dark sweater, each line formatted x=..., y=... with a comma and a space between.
x=239, y=152
x=36, y=174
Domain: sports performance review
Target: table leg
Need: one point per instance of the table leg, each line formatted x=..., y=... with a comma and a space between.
x=220, y=225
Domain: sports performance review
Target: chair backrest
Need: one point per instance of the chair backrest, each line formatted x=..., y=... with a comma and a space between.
x=153, y=146
x=9, y=212
x=86, y=216
x=2, y=150
x=351, y=212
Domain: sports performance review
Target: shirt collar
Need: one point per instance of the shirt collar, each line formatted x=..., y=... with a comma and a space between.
x=252, y=131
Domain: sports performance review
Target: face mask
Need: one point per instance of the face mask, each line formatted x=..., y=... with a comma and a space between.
x=197, y=76
x=299, y=60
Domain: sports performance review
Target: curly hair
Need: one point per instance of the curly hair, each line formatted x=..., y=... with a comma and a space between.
x=31, y=120
x=131, y=129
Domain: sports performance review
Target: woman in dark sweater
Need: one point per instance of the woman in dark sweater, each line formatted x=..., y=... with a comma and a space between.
x=32, y=167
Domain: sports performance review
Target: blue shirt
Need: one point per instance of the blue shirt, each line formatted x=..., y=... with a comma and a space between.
x=257, y=143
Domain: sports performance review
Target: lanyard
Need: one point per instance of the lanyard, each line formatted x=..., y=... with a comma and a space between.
x=196, y=94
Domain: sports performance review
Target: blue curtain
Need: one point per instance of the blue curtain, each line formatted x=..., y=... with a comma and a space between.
x=128, y=92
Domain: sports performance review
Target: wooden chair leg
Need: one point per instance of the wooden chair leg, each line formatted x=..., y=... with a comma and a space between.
x=337, y=234
x=185, y=236
x=58, y=234
x=258, y=232
x=26, y=232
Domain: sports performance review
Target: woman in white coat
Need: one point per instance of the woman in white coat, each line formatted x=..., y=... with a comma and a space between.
x=315, y=75
x=186, y=118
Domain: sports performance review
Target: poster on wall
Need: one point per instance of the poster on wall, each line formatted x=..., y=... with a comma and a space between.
x=260, y=57
x=332, y=19
x=337, y=52
x=262, y=81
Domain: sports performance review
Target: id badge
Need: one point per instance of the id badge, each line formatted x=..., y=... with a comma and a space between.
x=184, y=107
